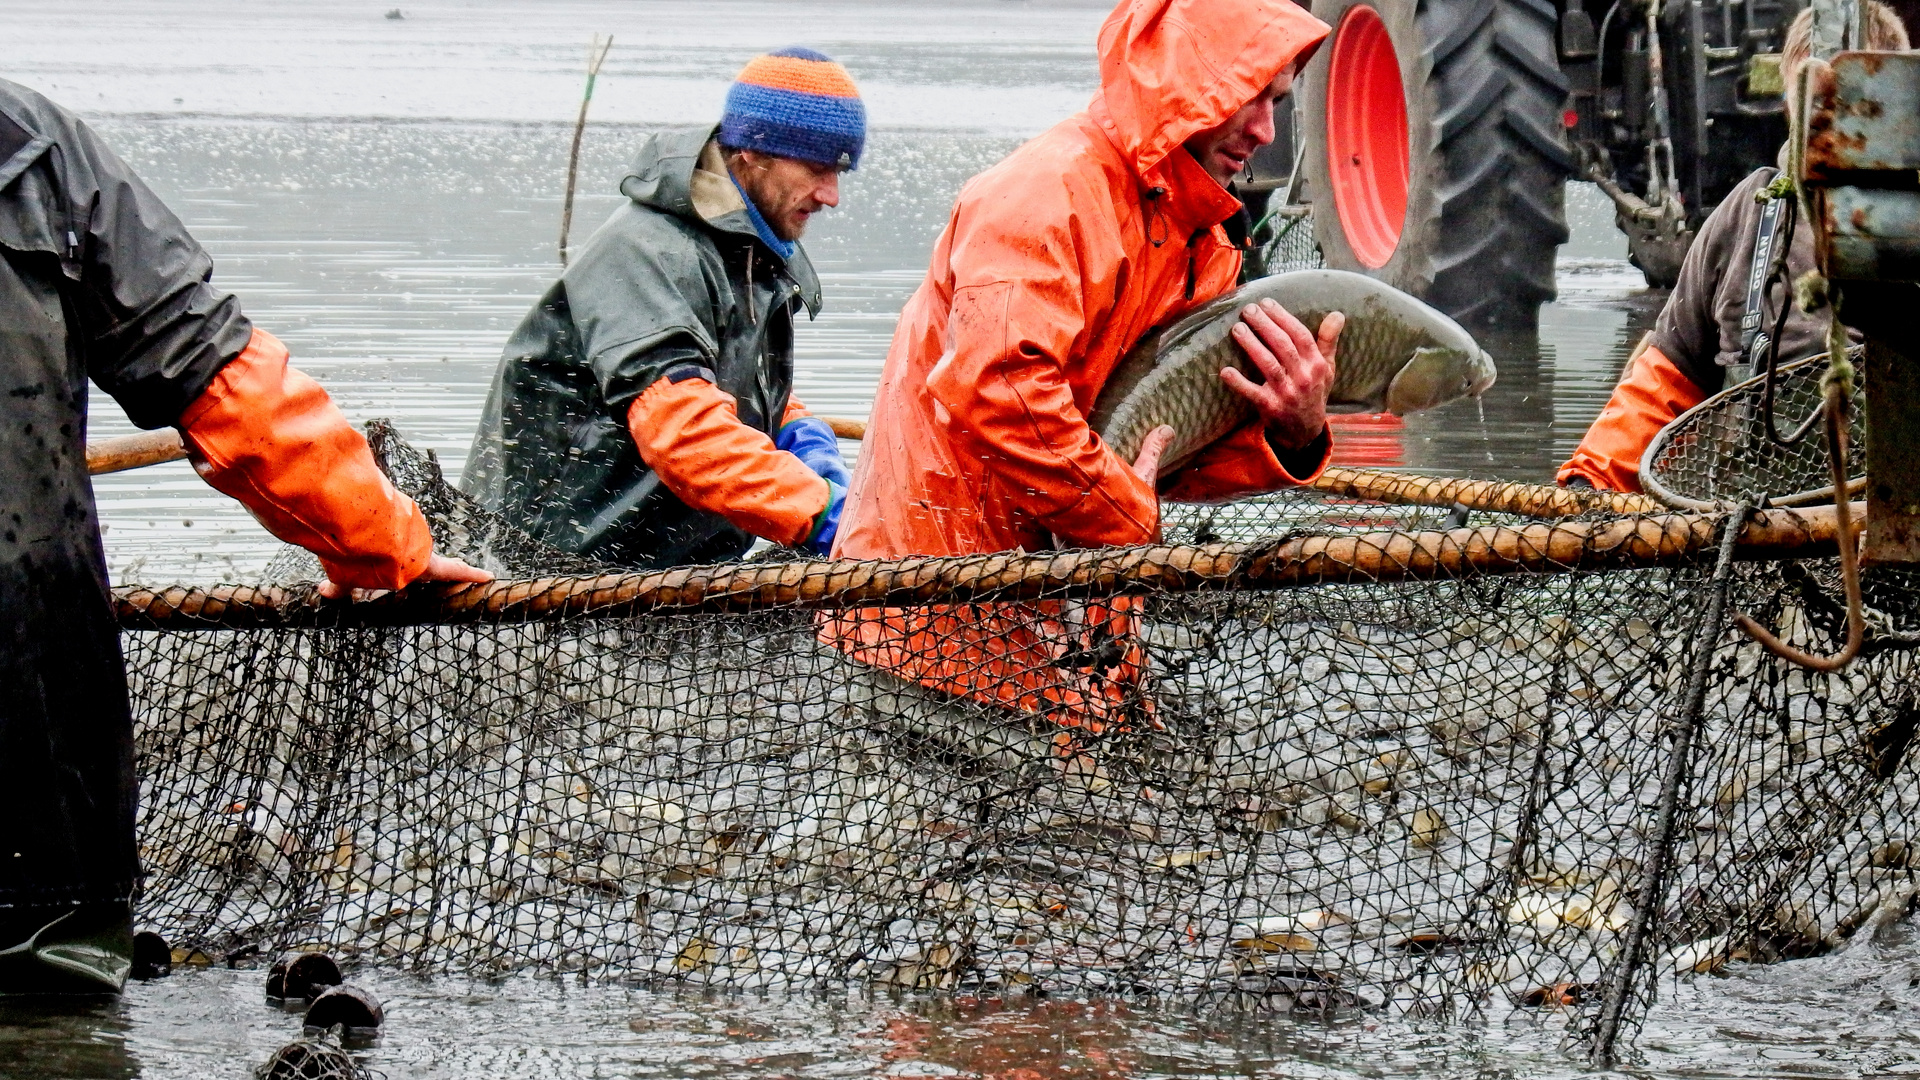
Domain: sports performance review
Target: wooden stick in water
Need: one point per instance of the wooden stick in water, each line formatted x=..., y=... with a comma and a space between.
x=847, y=429
x=596, y=53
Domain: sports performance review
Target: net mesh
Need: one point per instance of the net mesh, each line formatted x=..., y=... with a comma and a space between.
x=1282, y=241
x=1419, y=778
x=1721, y=451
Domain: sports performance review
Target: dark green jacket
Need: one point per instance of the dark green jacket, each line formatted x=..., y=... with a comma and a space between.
x=98, y=280
x=676, y=282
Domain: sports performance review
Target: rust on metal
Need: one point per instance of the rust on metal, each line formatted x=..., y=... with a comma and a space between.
x=1893, y=458
x=1862, y=115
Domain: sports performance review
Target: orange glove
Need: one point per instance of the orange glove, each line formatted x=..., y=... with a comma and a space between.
x=689, y=433
x=270, y=437
x=1653, y=392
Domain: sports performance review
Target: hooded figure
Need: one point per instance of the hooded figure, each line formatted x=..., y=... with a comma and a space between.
x=1053, y=264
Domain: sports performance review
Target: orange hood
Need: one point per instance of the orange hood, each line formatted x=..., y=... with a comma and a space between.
x=1170, y=68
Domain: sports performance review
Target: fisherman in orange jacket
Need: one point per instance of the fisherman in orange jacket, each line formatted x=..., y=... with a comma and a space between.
x=1053, y=264
x=100, y=281
x=1729, y=308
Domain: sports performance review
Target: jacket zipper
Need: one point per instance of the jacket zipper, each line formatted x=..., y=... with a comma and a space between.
x=1193, y=255
x=753, y=313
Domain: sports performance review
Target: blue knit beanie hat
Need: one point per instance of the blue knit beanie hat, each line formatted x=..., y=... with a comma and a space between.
x=796, y=103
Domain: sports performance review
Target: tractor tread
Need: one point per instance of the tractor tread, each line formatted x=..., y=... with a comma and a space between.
x=1486, y=207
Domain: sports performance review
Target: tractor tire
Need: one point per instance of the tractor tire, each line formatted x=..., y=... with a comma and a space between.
x=1436, y=157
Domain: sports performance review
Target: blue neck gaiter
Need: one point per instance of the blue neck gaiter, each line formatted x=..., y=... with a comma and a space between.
x=782, y=248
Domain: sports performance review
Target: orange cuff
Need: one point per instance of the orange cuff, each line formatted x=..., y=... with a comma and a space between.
x=1244, y=464
x=1652, y=394
x=689, y=433
x=796, y=409
x=270, y=437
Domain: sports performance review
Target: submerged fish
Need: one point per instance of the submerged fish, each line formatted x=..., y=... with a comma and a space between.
x=1396, y=355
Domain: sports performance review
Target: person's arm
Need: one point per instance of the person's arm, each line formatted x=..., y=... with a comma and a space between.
x=650, y=326
x=689, y=433
x=270, y=437
x=174, y=350
x=1016, y=316
x=1664, y=376
x=1289, y=442
x=1652, y=393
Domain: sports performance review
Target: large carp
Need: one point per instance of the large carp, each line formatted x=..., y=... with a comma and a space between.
x=1396, y=355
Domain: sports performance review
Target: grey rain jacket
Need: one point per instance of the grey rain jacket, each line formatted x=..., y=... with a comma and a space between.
x=1699, y=328
x=100, y=281
x=676, y=282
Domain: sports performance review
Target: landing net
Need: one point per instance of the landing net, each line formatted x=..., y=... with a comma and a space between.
x=1312, y=755
x=1760, y=436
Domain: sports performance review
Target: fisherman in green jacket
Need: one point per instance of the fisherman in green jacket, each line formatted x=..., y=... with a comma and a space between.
x=643, y=415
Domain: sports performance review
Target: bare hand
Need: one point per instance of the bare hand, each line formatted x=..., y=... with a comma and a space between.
x=1147, y=465
x=439, y=568
x=1296, y=370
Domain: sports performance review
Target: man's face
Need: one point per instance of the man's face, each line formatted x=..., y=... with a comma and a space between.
x=1223, y=150
x=787, y=191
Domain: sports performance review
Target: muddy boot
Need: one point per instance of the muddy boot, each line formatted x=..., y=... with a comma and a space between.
x=66, y=948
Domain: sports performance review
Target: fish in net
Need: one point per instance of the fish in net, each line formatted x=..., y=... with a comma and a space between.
x=1388, y=767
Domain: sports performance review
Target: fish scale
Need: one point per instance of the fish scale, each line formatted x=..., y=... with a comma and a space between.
x=1396, y=355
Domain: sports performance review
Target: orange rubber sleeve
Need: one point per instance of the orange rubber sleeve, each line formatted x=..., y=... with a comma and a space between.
x=1652, y=394
x=689, y=433
x=269, y=436
x=1244, y=463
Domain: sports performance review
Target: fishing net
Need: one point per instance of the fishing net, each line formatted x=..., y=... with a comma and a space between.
x=1282, y=241
x=1314, y=754
x=1722, y=450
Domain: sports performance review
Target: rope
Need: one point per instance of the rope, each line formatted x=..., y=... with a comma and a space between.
x=1384, y=556
x=1813, y=291
x=1497, y=496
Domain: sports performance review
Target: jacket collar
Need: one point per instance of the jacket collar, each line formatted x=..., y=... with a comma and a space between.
x=682, y=173
x=1189, y=198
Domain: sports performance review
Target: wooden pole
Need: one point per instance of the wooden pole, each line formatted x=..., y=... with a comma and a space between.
x=134, y=451
x=596, y=53
x=1625, y=543
x=847, y=429
x=1531, y=500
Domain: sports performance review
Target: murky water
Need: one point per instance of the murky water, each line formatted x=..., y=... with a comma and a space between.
x=384, y=195
x=1841, y=1016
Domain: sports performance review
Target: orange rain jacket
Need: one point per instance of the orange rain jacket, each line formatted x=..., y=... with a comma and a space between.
x=1053, y=263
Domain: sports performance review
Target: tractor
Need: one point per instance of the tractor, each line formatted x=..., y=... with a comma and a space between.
x=1433, y=139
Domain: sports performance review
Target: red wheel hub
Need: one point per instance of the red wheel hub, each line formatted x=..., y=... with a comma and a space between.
x=1367, y=137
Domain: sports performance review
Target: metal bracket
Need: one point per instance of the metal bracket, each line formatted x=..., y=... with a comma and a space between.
x=1860, y=167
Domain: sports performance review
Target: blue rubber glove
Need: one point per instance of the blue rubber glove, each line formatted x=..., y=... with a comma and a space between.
x=826, y=524
x=814, y=443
